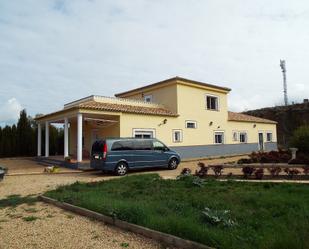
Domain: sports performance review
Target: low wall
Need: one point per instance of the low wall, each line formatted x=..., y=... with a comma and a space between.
x=202, y=151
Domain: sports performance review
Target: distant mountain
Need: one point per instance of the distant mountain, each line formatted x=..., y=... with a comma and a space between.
x=288, y=117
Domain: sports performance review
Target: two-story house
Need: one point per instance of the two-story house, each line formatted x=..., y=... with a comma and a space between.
x=190, y=117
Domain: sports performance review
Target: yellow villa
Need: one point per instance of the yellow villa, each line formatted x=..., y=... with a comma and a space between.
x=190, y=117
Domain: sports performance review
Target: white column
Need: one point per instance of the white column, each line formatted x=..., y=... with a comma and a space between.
x=66, y=137
x=39, y=139
x=79, y=137
x=46, y=139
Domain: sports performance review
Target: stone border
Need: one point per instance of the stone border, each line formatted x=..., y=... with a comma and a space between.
x=164, y=238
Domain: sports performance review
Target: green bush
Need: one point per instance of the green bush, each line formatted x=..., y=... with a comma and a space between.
x=300, y=138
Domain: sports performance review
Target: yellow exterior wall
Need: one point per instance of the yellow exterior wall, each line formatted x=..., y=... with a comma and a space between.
x=191, y=105
x=166, y=96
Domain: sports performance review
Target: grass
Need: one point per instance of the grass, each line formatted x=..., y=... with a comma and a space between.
x=261, y=215
x=30, y=218
x=15, y=200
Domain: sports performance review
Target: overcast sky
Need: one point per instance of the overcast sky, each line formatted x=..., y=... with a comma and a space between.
x=56, y=51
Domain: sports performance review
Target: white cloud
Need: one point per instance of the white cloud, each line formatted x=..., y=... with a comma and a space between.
x=9, y=111
x=56, y=51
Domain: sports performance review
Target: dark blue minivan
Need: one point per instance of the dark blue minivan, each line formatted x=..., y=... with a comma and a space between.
x=123, y=154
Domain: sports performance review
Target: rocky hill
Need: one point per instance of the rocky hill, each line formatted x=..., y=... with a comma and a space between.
x=288, y=117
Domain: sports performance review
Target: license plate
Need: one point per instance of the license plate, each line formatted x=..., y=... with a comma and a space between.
x=96, y=157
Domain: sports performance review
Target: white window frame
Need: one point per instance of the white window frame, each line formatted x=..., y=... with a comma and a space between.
x=150, y=97
x=218, y=102
x=235, y=138
x=271, y=136
x=144, y=130
x=223, y=137
x=191, y=121
x=246, y=137
x=173, y=136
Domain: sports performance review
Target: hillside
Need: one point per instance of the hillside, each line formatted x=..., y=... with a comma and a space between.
x=288, y=117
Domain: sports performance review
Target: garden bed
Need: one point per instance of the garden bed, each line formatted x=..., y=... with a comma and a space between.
x=218, y=214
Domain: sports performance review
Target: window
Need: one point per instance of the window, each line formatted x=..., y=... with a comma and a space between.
x=122, y=145
x=191, y=124
x=143, y=133
x=219, y=137
x=148, y=98
x=142, y=145
x=269, y=137
x=212, y=103
x=158, y=145
x=235, y=136
x=177, y=136
x=243, y=137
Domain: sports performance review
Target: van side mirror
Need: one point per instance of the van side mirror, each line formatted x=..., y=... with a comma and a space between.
x=166, y=149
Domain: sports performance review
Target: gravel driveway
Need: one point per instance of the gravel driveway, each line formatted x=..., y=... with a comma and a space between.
x=51, y=227
x=46, y=226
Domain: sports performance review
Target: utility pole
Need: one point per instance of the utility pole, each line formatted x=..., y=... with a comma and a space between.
x=285, y=91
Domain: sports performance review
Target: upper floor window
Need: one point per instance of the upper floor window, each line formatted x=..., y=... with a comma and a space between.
x=191, y=124
x=148, y=98
x=212, y=102
x=219, y=137
x=243, y=137
x=269, y=137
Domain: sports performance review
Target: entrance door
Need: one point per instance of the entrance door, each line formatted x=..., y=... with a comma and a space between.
x=261, y=141
x=94, y=136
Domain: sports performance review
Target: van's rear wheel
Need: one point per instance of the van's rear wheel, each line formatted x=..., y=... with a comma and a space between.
x=173, y=163
x=121, y=169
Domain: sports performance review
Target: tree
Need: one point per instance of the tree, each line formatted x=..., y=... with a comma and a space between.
x=300, y=138
x=24, y=135
x=21, y=140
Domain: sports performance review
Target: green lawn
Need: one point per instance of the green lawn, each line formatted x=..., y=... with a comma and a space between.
x=262, y=215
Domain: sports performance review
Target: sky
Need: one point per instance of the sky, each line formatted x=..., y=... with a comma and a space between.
x=56, y=51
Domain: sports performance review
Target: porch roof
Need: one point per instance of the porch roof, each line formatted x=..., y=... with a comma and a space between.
x=113, y=107
x=234, y=116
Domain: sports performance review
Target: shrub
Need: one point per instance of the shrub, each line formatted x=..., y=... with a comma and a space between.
x=203, y=170
x=306, y=170
x=275, y=171
x=300, y=138
x=247, y=171
x=301, y=158
x=186, y=171
x=216, y=217
x=291, y=172
x=244, y=161
x=281, y=156
x=217, y=169
x=259, y=173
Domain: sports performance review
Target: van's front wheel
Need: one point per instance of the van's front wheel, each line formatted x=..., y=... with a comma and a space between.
x=121, y=169
x=173, y=163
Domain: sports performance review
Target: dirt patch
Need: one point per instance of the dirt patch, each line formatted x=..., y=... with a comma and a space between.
x=26, y=165
x=45, y=226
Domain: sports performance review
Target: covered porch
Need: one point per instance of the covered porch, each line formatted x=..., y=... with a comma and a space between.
x=81, y=129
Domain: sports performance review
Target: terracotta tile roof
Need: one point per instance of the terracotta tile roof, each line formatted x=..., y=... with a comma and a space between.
x=170, y=80
x=93, y=105
x=234, y=116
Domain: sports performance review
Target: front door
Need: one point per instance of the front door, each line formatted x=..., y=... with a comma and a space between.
x=261, y=141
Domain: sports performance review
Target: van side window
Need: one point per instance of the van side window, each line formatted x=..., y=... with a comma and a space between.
x=122, y=145
x=158, y=146
x=142, y=144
